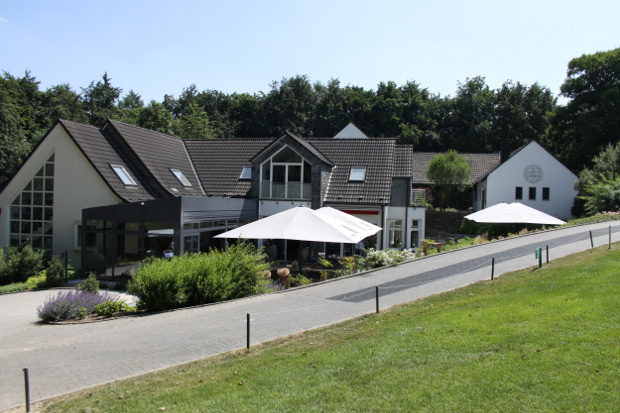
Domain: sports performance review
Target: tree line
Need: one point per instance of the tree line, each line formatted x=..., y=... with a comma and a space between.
x=476, y=118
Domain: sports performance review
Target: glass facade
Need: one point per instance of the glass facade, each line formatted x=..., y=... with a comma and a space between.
x=286, y=176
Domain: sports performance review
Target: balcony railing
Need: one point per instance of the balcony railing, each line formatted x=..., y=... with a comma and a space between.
x=418, y=197
x=291, y=190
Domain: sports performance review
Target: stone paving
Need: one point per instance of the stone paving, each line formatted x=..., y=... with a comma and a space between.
x=66, y=358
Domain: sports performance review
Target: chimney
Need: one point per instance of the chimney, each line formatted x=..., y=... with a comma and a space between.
x=504, y=152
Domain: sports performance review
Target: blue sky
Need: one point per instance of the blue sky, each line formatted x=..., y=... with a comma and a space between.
x=160, y=47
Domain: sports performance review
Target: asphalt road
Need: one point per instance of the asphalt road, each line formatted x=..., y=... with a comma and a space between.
x=65, y=358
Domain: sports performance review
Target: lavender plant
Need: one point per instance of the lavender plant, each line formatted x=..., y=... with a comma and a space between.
x=72, y=304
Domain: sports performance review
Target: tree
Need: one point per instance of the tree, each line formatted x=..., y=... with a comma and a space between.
x=450, y=172
x=194, y=124
x=289, y=106
x=130, y=107
x=591, y=118
x=419, y=120
x=604, y=195
x=62, y=102
x=100, y=101
x=157, y=118
x=606, y=165
x=14, y=146
x=521, y=114
x=472, y=112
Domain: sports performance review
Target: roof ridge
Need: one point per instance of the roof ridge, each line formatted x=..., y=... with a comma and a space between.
x=168, y=135
x=77, y=123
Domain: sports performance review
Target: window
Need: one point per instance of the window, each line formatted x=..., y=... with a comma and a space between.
x=181, y=177
x=519, y=192
x=358, y=174
x=123, y=175
x=415, y=233
x=31, y=213
x=532, y=193
x=545, y=195
x=395, y=233
x=246, y=173
x=286, y=176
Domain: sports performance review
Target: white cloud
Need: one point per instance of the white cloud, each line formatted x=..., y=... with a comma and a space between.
x=3, y=20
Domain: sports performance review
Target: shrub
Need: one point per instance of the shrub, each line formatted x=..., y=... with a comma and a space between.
x=55, y=272
x=19, y=263
x=71, y=304
x=199, y=278
x=299, y=280
x=158, y=284
x=111, y=308
x=37, y=281
x=13, y=288
x=384, y=258
x=89, y=285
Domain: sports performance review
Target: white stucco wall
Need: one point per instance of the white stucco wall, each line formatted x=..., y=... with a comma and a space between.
x=408, y=215
x=77, y=185
x=502, y=182
x=267, y=207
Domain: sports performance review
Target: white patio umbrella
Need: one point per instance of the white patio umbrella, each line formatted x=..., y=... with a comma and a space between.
x=299, y=223
x=514, y=213
x=367, y=227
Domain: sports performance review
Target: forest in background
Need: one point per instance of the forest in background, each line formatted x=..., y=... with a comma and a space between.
x=475, y=119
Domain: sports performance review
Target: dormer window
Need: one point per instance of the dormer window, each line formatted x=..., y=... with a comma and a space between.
x=181, y=177
x=357, y=174
x=246, y=173
x=286, y=175
x=123, y=175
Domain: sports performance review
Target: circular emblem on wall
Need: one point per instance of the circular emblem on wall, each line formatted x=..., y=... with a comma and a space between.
x=533, y=173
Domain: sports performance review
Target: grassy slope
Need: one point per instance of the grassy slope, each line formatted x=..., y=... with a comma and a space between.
x=544, y=340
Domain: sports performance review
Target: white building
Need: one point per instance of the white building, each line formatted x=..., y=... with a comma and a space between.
x=531, y=176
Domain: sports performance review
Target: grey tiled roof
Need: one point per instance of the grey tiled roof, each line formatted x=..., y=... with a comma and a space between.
x=376, y=154
x=160, y=153
x=403, y=164
x=215, y=165
x=99, y=151
x=481, y=164
x=219, y=163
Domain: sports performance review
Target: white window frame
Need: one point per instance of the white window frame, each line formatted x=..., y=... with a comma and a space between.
x=246, y=173
x=357, y=174
x=123, y=175
x=181, y=177
x=395, y=226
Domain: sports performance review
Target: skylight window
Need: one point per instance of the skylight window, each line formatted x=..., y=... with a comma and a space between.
x=123, y=175
x=246, y=173
x=181, y=177
x=358, y=174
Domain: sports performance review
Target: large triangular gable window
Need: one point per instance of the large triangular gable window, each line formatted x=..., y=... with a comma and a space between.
x=286, y=175
x=32, y=211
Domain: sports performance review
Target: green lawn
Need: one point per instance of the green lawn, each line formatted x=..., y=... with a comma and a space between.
x=535, y=340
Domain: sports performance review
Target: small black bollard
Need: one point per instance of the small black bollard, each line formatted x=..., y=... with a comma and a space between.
x=591, y=240
x=27, y=387
x=66, y=266
x=492, y=268
x=248, y=331
x=547, y=254
x=377, y=298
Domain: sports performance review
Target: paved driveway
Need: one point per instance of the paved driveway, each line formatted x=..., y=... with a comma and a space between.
x=65, y=358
